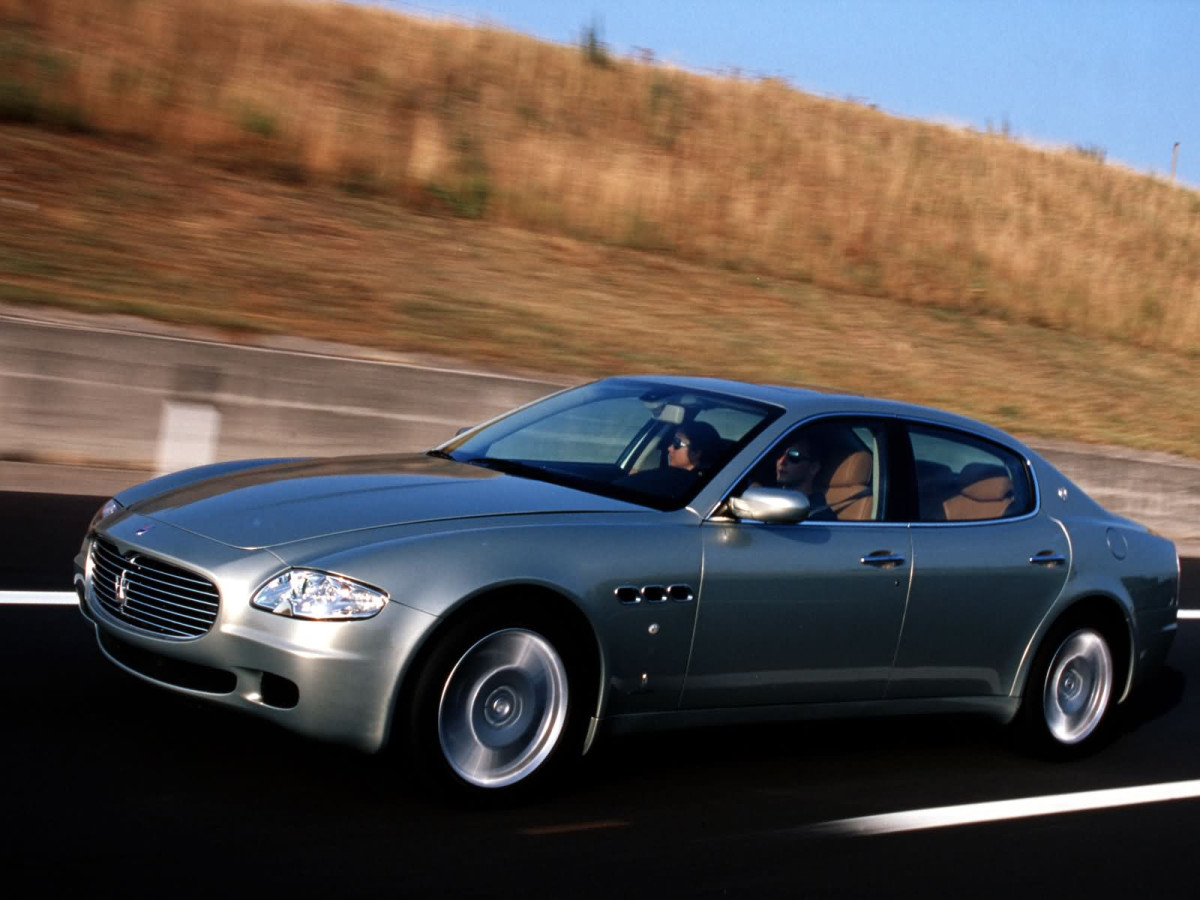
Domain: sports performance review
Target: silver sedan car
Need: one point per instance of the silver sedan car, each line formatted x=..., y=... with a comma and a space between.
x=636, y=553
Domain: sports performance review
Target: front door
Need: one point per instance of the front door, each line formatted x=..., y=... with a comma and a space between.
x=801, y=613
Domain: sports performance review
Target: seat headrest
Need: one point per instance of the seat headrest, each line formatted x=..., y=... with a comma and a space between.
x=854, y=469
x=983, y=482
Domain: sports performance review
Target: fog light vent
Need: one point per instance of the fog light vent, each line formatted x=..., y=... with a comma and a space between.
x=277, y=691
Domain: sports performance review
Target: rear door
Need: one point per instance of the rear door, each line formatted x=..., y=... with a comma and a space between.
x=986, y=567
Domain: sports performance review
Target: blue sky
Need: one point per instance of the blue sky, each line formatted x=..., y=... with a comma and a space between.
x=1120, y=75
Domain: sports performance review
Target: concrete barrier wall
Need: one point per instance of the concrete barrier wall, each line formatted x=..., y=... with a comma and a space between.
x=91, y=409
x=74, y=394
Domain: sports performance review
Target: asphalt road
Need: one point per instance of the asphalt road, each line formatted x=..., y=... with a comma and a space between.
x=135, y=790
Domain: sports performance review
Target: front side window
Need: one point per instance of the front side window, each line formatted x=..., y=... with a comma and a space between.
x=837, y=463
x=647, y=443
x=961, y=478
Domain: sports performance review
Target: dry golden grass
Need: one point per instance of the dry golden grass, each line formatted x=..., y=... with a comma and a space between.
x=271, y=165
x=750, y=175
x=107, y=229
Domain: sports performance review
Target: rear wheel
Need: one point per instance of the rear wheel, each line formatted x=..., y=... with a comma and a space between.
x=495, y=712
x=1070, y=692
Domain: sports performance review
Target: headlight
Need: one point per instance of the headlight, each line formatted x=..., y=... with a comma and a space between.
x=308, y=594
x=103, y=513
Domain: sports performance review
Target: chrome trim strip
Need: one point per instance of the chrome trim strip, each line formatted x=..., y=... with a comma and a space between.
x=893, y=417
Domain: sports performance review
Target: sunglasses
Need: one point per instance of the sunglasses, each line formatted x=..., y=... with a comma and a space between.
x=679, y=442
x=797, y=456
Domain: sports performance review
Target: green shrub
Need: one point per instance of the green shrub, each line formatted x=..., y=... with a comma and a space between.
x=467, y=197
x=1090, y=151
x=360, y=181
x=254, y=120
x=66, y=117
x=595, y=51
x=468, y=189
x=18, y=102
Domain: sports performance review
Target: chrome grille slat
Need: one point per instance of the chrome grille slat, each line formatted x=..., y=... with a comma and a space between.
x=133, y=594
x=147, y=575
x=152, y=625
x=160, y=598
x=148, y=608
x=187, y=584
x=144, y=574
x=137, y=581
x=168, y=573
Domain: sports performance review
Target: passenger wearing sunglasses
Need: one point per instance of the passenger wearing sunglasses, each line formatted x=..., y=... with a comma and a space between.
x=694, y=446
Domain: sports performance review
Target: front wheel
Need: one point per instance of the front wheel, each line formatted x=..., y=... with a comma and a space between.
x=1068, y=699
x=503, y=708
x=494, y=707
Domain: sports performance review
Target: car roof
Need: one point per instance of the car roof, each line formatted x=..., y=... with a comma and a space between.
x=803, y=402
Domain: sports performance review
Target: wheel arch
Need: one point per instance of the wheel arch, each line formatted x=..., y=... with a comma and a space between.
x=529, y=600
x=1104, y=611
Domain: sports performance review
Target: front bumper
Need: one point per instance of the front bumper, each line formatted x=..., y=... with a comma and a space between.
x=335, y=681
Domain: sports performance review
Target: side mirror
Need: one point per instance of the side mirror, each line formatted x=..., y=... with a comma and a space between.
x=771, y=505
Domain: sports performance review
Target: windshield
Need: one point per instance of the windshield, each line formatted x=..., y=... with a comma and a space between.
x=651, y=444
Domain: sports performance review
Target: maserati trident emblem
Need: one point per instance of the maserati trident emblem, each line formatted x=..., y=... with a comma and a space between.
x=122, y=589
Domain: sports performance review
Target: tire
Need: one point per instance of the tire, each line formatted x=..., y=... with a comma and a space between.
x=1067, y=707
x=495, y=710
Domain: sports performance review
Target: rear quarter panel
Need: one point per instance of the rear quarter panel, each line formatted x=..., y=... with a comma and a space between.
x=1113, y=560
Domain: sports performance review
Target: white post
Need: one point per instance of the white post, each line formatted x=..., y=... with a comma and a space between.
x=187, y=436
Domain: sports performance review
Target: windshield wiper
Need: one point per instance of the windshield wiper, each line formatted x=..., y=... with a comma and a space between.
x=514, y=467
x=507, y=466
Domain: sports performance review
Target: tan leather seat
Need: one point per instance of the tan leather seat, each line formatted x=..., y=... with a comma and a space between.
x=849, y=492
x=985, y=492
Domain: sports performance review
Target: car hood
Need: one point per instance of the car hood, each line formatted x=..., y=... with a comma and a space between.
x=295, y=501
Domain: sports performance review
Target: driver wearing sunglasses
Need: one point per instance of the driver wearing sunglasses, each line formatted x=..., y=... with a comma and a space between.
x=693, y=447
x=797, y=467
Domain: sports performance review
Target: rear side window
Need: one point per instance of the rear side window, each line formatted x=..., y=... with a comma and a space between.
x=961, y=478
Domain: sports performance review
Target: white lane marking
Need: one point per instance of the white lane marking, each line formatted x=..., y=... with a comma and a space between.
x=38, y=598
x=1189, y=614
x=1001, y=810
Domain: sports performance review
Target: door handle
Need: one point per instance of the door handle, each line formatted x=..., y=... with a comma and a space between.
x=1047, y=558
x=883, y=559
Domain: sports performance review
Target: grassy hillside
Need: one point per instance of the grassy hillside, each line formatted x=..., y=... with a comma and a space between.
x=353, y=174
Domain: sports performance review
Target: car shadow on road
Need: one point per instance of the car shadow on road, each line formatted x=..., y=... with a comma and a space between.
x=1162, y=693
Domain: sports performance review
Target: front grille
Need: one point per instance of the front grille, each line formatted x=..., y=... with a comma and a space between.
x=151, y=595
